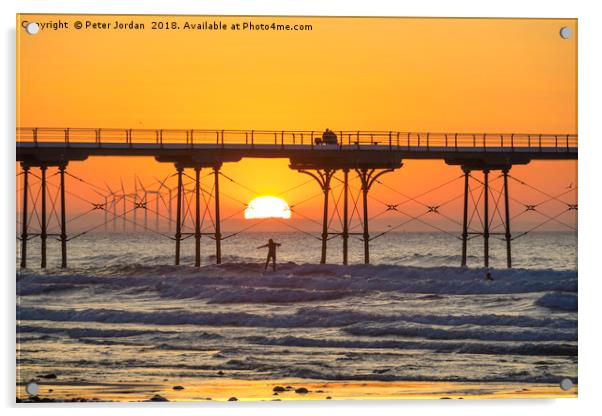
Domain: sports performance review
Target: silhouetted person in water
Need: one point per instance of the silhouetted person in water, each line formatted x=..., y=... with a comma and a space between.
x=488, y=276
x=271, y=245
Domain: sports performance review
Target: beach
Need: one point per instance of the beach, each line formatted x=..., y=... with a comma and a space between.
x=257, y=390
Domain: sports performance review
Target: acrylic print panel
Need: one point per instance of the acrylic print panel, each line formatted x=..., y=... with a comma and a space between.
x=295, y=208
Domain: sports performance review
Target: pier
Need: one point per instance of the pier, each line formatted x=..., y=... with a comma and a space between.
x=368, y=155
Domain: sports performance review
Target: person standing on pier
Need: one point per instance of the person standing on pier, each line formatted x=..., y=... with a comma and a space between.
x=271, y=245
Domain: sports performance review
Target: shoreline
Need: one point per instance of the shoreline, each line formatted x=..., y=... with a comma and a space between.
x=200, y=390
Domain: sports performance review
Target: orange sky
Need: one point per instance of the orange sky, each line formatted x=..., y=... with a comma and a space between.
x=494, y=75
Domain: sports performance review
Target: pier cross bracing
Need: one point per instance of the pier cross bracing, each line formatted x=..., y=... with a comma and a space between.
x=367, y=154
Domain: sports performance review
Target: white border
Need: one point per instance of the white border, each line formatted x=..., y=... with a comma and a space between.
x=590, y=68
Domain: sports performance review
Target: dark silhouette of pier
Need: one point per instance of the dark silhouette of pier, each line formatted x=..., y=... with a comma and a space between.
x=369, y=155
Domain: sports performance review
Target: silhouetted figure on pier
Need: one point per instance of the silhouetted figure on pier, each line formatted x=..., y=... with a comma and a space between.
x=328, y=137
x=271, y=245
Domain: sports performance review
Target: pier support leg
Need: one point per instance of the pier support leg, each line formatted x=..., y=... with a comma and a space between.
x=486, y=217
x=323, y=177
x=368, y=177
x=218, y=231
x=465, y=218
x=507, y=212
x=25, y=213
x=366, y=235
x=43, y=225
x=345, y=215
x=326, y=191
x=63, y=219
x=169, y=210
x=197, y=225
x=179, y=215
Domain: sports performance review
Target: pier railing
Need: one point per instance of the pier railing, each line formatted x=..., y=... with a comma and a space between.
x=106, y=137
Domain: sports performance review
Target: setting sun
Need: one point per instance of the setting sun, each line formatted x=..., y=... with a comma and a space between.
x=267, y=207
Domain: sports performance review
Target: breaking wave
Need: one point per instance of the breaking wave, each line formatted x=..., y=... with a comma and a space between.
x=561, y=301
x=244, y=282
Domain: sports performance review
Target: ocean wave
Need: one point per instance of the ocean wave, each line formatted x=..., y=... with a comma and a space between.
x=497, y=348
x=453, y=333
x=303, y=318
x=561, y=301
x=181, y=282
x=87, y=332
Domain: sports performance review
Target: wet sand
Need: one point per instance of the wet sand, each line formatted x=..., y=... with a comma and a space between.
x=287, y=389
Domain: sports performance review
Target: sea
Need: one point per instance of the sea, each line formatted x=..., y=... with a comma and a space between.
x=123, y=312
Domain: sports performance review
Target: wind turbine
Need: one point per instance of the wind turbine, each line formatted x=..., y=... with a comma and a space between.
x=113, y=206
x=159, y=195
x=123, y=196
x=135, y=194
x=102, y=206
x=143, y=203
